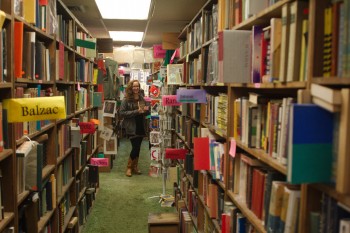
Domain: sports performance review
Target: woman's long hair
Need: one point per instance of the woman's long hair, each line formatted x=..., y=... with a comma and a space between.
x=129, y=95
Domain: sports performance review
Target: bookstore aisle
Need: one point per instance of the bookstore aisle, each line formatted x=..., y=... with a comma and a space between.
x=122, y=203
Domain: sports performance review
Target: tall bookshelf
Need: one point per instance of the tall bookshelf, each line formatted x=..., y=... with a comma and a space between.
x=201, y=72
x=56, y=74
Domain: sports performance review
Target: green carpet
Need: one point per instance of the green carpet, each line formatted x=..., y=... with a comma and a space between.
x=122, y=203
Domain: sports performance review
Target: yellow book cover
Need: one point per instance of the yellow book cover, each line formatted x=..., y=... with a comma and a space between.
x=305, y=30
x=29, y=11
x=94, y=81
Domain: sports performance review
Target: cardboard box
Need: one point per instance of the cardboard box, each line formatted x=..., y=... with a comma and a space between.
x=163, y=222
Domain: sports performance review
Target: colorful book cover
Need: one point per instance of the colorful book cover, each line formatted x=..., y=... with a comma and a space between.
x=310, y=144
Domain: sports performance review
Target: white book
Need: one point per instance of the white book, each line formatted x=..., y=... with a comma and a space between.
x=344, y=226
x=293, y=210
x=329, y=95
x=326, y=105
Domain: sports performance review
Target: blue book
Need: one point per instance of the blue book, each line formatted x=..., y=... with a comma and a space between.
x=310, y=144
x=241, y=223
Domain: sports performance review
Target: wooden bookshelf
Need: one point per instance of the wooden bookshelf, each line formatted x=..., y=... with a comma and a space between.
x=262, y=17
x=261, y=155
x=45, y=132
x=311, y=194
x=44, y=220
x=8, y=217
x=5, y=154
x=246, y=212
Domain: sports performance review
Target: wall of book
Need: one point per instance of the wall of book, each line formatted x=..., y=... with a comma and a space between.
x=46, y=183
x=267, y=151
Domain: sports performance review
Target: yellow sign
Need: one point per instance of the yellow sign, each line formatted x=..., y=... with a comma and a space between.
x=35, y=109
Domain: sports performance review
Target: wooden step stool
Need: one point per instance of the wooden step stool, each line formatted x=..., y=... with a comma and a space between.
x=163, y=223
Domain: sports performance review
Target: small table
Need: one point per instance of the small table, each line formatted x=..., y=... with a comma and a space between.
x=163, y=223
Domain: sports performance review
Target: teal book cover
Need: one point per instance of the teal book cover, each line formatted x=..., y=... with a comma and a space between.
x=310, y=144
x=97, y=99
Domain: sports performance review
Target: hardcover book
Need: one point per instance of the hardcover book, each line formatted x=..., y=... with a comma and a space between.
x=310, y=144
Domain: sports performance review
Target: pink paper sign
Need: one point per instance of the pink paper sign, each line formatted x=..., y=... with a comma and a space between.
x=170, y=100
x=233, y=148
x=101, y=162
x=158, y=51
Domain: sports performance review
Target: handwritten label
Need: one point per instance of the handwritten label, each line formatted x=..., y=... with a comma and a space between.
x=170, y=100
x=191, y=96
x=87, y=127
x=101, y=162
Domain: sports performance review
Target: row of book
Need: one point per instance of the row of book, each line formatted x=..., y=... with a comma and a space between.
x=280, y=128
x=206, y=201
x=3, y=57
x=4, y=139
x=217, y=111
x=202, y=30
x=84, y=71
x=41, y=13
x=261, y=122
x=336, y=40
x=32, y=58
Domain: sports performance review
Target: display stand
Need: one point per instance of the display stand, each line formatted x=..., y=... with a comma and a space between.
x=164, y=124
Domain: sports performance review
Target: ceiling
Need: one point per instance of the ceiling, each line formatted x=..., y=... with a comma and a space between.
x=168, y=16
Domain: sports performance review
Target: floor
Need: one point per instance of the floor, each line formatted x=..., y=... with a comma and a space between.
x=123, y=203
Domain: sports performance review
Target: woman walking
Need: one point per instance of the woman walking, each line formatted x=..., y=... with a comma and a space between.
x=133, y=110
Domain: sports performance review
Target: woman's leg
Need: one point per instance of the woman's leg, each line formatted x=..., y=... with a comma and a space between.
x=136, y=147
x=136, y=153
x=135, y=150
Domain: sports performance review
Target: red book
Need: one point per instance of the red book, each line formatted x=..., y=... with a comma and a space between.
x=225, y=226
x=258, y=192
x=201, y=154
x=238, y=11
x=61, y=60
x=213, y=201
x=1, y=130
x=18, y=48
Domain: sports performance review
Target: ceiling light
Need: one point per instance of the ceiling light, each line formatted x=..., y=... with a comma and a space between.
x=121, y=9
x=126, y=36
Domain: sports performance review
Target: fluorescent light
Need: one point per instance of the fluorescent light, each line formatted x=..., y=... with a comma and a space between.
x=126, y=36
x=124, y=9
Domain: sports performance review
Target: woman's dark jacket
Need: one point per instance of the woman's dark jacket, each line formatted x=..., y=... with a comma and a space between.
x=128, y=111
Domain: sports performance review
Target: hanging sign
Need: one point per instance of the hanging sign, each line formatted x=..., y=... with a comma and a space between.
x=191, y=96
x=101, y=162
x=158, y=51
x=171, y=153
x=35, y=109
x=87, y=127
x=170, y=100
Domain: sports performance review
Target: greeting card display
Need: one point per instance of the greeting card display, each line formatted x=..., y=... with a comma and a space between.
x=155, y=106
x=155, y=153
x=109, y=108
x=155, y=122
x=154, y=137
